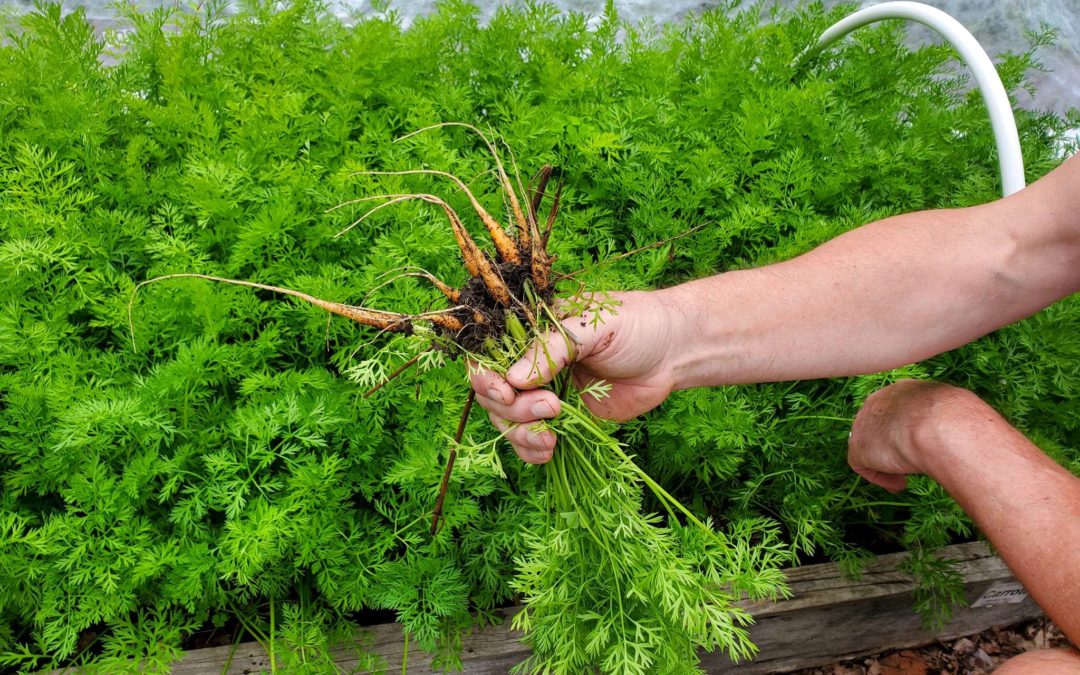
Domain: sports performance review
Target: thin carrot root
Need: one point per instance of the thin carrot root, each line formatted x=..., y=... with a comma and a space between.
x=504, y=180
x=477, y=264
x=376, y=318
x=451, y=294
x=512, y=280
x=394, y=199
x=504, y=245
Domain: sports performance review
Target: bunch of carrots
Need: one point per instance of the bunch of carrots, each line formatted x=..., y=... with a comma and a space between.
x=605, y=584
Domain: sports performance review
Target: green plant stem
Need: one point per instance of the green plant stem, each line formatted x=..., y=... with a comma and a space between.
x=273, y=660
x=666, y=498
x=828, y=418
x=255, y=631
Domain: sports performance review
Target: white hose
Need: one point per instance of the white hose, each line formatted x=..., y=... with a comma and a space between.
x=971, y=53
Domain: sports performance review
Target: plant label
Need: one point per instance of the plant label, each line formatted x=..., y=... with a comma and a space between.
x=1002, y=593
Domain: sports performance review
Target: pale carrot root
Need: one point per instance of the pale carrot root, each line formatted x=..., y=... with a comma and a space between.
x=476, y=263
x=358, y=200
x=530, y=222
x=504, y=244
x=469, y=250
x=397, y=199
x=451, y=294
x=385, y=321
x=504, y=180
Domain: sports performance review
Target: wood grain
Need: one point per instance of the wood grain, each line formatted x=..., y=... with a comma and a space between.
x=828, y=617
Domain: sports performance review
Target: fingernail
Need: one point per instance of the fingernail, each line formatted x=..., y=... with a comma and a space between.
x=519, y=372
x=496, y=395
x=546, y=439
x=542, y=410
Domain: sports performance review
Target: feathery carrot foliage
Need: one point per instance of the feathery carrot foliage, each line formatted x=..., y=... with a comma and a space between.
x=232, y=467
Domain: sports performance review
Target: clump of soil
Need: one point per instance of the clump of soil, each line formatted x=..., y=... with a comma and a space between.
x=475, y=300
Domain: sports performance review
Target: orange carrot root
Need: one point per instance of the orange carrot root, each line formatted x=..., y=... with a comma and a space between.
x=376, y=318
x=504, y=180
x=476, y=262
x=504, y=245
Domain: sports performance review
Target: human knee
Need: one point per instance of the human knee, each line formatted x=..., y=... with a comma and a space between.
x=1043, y=662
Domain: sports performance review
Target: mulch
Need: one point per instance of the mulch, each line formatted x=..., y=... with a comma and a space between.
x=971, y=655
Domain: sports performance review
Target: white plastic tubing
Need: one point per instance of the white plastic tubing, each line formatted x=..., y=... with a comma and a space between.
x=986, y=77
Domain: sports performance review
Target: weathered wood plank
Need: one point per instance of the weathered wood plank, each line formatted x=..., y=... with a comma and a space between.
x=828, y=617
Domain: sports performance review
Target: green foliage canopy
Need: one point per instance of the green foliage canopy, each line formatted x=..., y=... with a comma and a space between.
x=230, y=466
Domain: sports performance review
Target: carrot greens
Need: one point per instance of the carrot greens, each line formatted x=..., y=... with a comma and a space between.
x=604, y=583
x=254, y=467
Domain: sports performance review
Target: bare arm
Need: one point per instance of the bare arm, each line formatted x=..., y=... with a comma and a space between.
x=1025, y=503
x=884, y=295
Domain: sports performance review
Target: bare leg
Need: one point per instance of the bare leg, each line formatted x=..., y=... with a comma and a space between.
x=1043, y=662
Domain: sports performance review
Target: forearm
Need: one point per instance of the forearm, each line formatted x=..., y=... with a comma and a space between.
x=1025, y=503
x=886, y=294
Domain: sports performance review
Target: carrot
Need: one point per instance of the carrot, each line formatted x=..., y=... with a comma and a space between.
x=505, y=307
x=508, y=189
x=386, y=321
x=496, y=284
x=507, y=251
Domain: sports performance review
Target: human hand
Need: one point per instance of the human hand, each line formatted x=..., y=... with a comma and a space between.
x=897, y=425
x=630, y=348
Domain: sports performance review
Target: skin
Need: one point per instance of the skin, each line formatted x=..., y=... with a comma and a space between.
x=1028, y=505
x=884, y=295
x=1042, y=662
x=887, y=294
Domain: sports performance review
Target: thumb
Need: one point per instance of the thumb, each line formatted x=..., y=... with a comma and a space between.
x=893, y=482
x=544, y=360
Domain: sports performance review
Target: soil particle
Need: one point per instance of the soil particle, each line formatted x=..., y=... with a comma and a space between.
x=906, y=662
x=476, y=300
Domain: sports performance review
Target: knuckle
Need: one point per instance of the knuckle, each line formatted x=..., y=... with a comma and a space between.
x=498, y=422
x=515, y=435
x=520, y=414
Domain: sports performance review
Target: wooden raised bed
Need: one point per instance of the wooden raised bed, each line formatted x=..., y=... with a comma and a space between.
x=829, y=617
